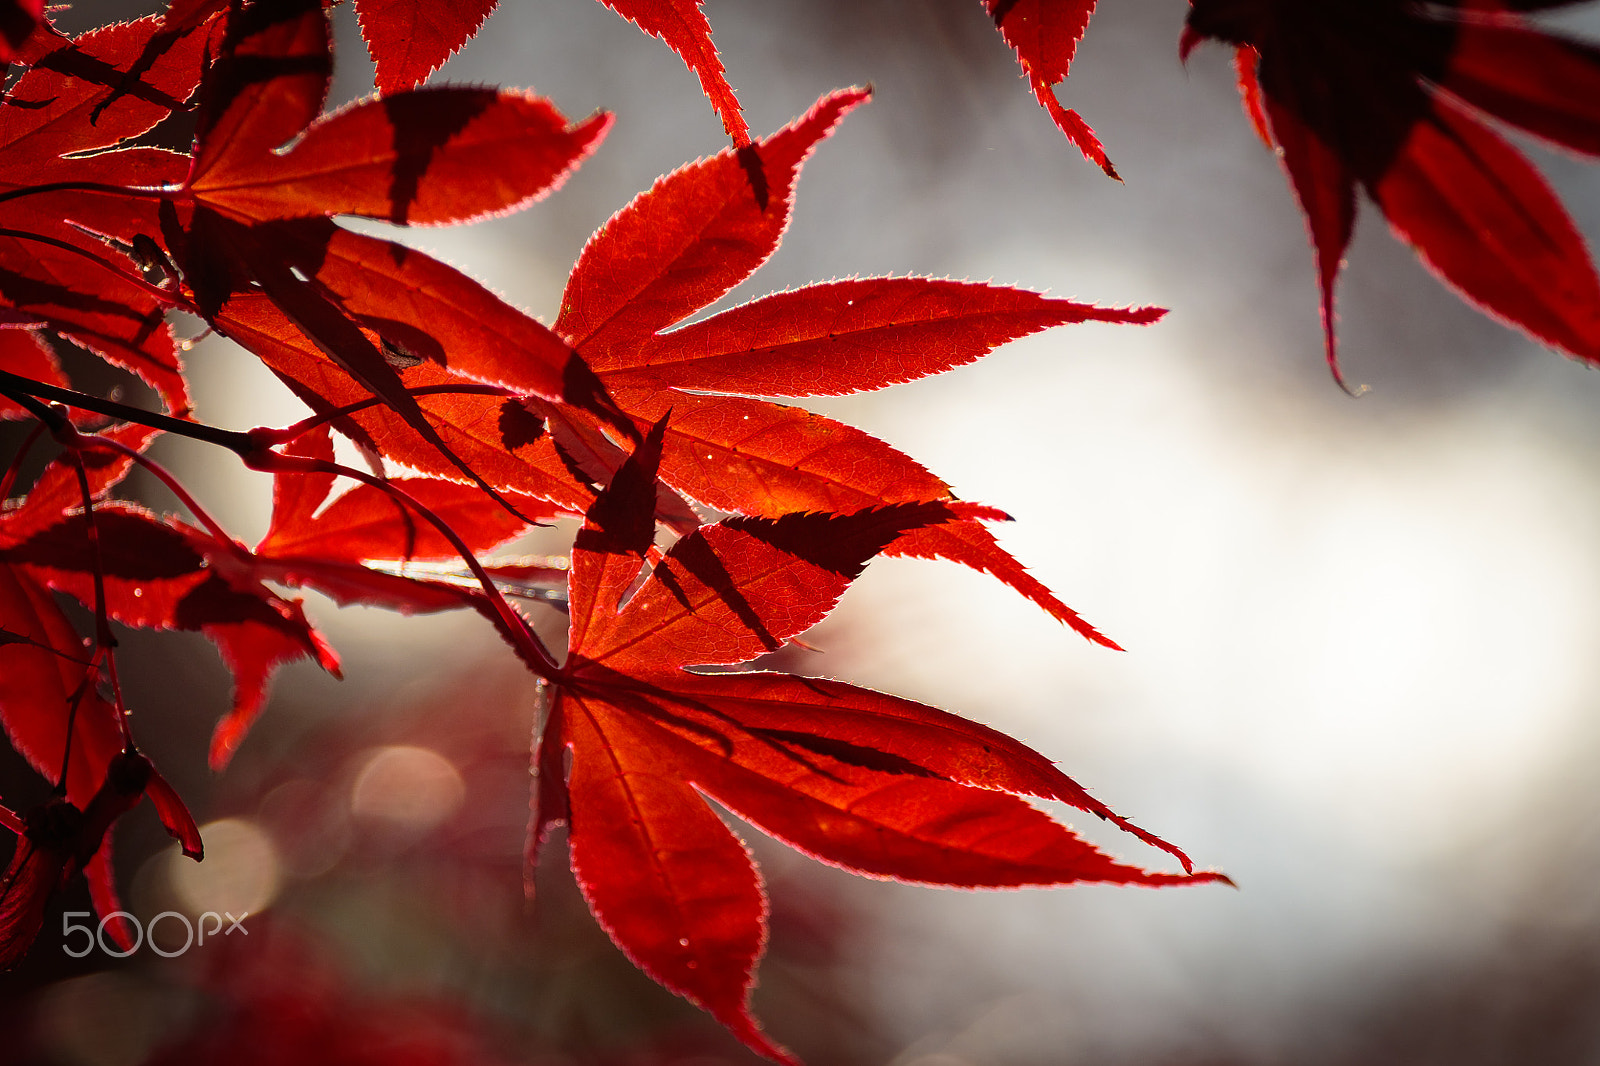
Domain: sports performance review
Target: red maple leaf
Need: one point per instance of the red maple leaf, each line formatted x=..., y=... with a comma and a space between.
x=872, y=783
x=1392, y=96
x=705, y=228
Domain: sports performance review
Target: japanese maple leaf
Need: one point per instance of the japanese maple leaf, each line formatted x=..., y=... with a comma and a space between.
x=872, y=783
x=495, y=435
x=1392, y=96
x=153, y=574
x=1045, y=36
x=705, y=228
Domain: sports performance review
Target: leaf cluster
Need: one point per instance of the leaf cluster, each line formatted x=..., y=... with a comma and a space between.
x=716, y=522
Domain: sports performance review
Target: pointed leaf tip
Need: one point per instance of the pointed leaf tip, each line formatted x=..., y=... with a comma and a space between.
x=410, y=39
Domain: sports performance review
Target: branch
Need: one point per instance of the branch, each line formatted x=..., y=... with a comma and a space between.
x=18, y=387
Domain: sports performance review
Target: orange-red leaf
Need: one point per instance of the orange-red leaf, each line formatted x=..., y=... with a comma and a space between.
x=79, y=98
x=617, y=534
x=729, y=592
x=703, y=229
x=425, y=309
x=491, y=434
x=864, y=806
x=366, y=523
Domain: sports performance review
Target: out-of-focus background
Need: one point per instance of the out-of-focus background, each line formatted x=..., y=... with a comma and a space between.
x=1362, y=673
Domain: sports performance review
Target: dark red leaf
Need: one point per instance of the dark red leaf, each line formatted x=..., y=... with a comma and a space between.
x=57, y=491
x=106, y=312
x=38, y=688
x=1487, y=223
x=167, y=575
x=1547, y=85
x=1326, y=189
x=253, y=651
x=1371, y=98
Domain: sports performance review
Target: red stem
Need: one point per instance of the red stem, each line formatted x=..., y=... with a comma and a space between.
x=200, y=513
x=102, y=625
